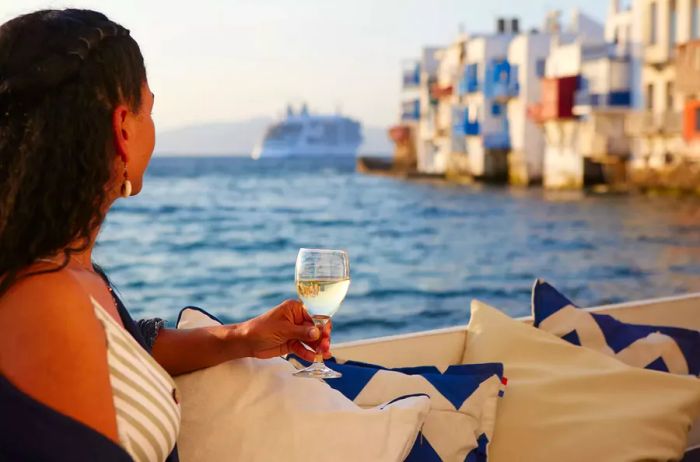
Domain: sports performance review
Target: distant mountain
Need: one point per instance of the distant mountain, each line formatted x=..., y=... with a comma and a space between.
x=225, y=138
x=238, y=138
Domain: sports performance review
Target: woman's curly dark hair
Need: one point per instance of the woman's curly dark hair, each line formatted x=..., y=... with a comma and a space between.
x=62, y=74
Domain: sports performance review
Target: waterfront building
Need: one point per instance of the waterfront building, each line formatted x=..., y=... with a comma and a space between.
x=483, y=84
x=566, y=106
x=527, y=55
x=586, y=95
x=448, y=138
x=687, y=63
x=660, y=144
x=413, y=135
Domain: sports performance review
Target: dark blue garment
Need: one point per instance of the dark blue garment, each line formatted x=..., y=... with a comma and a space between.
x=31, y=431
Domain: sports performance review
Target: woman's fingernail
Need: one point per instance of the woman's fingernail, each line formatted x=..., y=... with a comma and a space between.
x=314, y=333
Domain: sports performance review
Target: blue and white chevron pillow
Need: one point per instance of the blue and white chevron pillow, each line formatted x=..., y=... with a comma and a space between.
x=463, y=400
x=668, y=349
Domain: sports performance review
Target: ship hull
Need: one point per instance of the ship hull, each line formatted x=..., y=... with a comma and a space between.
x=316, y=151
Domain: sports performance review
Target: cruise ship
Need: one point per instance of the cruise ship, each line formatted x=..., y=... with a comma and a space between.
x=310, y=135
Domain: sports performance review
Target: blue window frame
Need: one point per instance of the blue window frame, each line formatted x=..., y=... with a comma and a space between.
x=496, y=109
x=539, y=67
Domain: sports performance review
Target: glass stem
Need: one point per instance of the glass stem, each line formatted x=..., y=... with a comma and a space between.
x=319, y=323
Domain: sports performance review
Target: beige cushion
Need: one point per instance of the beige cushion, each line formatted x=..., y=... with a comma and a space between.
x=256, y=410
x=566, y=403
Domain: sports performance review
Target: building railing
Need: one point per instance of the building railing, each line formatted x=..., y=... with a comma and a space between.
x=615, y=99
x=657, y=54
x=598, y=51
x=667, y=123
x=440, y=91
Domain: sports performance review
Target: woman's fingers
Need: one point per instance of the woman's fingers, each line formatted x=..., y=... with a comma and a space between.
x=299, y=350
x=327, y=328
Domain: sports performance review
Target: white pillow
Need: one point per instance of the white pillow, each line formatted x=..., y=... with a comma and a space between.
x=566, y=403
x=256, y=410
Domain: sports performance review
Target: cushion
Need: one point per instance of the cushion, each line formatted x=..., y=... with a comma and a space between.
x=668, y=349
x=463, y=401
x=256, y=410
x=575, y=404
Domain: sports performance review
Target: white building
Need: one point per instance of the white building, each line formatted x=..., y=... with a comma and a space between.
x=425, y=147
x=586, y=94
x=527, y=55
x=413, y=135
x=485, y=124
x=688, y=84
x=446, y=139
x=659, y=26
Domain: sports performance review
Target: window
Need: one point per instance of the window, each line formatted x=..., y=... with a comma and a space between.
x=695, y=20
x=650, y=96
x=652, y=23
x=539, y=67
x=496, y=109
x=669, y=95
x=582, y=83
x=472, y=77
x=672, y=23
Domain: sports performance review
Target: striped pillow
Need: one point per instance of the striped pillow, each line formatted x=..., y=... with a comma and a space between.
x=463, y=401
x=252, y=410
x=668, y=349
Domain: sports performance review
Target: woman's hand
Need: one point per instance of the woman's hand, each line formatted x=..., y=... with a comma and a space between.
x=282, y=329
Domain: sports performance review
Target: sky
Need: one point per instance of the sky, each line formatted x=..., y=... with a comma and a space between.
x=228, y=60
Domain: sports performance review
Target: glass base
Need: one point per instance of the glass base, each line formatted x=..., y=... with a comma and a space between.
x=318, y=371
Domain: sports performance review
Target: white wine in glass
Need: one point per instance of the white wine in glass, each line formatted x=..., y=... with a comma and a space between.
x=322, y=279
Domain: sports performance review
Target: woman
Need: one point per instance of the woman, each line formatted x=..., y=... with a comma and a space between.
x=76, y=134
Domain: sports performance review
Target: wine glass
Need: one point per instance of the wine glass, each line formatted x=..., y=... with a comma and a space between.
x=322, y=278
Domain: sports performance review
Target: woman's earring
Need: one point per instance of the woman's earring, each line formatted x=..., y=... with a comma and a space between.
x=126, y=186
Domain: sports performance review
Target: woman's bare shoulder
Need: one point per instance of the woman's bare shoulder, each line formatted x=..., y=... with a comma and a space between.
x=53, y=348
x=57, y=300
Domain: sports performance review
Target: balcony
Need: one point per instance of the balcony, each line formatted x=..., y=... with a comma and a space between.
x=410, y=75
x=497, y=141
x=687, y=64
x=648, y=124
x=602, y=135
x=471, y=124
x=438, y=91
x=410, y=110
x=585, y=102
x=557, y=99
x=400, y=134
x=657, y=55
